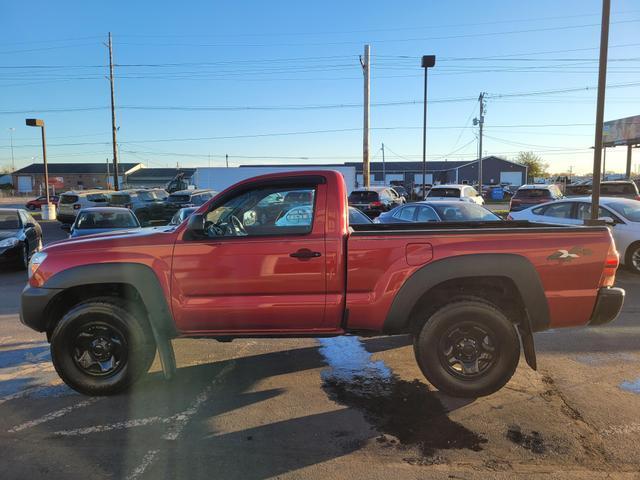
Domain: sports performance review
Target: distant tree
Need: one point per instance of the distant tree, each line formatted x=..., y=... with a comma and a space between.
x=535, y=166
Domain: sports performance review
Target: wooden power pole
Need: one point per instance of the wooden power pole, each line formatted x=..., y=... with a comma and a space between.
x=113, y=119
x=365, y=62
x=480, y=122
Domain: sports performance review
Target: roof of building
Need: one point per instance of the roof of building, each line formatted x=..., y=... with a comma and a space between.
x=74, y=168
x=161, y=173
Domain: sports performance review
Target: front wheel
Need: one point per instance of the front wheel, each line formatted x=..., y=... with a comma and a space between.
x=99, y=347
x=467, y=348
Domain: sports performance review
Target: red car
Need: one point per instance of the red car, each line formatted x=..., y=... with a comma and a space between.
x=37, y=203
x=468, y=293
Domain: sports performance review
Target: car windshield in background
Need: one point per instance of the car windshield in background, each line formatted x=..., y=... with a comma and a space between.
x=364, y=196
x=618, y=189
x=147, y=196
x=356, y=217
x=464, y=212
x=9, y=221
x=66, y=199
x=120, y=199
x=533, y=193
x=629, y=209
x=88, y=220
x=98, y=197
x=444, y=192
x=179, y=198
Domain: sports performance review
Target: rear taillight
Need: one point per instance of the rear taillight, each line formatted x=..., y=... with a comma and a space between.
x=375, y=204
x=76, y=206
x=610, y=267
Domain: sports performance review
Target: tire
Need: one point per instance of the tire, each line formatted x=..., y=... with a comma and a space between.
x=23, y=261
x=102, y=329
x=629, y=262
x=468, y=348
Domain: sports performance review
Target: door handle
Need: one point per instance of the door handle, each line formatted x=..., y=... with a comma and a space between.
x=305, y=254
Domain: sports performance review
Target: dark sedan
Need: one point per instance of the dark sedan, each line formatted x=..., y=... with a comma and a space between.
x=438, y=211
x=20, y=236
x=103, y=219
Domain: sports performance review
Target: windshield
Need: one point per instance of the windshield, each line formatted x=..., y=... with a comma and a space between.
x=363, y=197
x=9, y=221
x=464, y=212
x=629, y=209
x=618, y=189
x=444, y=192
x=179, y=198
x=533, y=193
x=120, y=199
x=68, y=198
x=105, y=219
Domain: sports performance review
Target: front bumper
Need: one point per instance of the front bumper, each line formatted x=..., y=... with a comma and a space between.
x=33, y=306
x=608, y=305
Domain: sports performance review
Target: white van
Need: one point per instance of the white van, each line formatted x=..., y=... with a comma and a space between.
x=71, y=202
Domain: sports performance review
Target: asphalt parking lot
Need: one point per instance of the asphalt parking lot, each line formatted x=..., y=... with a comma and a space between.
x=330, y=408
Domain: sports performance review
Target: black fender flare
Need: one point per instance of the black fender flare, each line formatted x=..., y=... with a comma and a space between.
x=144, y=280
x=512, y=266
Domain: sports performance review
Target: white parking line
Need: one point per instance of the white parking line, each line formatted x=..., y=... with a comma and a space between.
x=182, y=418
x=53, y=415
x=147, y=460
x=138, y=422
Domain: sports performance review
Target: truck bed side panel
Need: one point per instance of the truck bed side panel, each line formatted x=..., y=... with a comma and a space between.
x=378, y=267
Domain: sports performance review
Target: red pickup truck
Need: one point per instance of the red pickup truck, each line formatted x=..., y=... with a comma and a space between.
x=274, y=256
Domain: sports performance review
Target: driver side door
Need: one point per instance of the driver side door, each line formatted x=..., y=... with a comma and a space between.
x=255, y=270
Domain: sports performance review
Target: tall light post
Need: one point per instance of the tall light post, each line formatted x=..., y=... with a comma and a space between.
x=46, y=212
x=13, y=162
x=428, y=61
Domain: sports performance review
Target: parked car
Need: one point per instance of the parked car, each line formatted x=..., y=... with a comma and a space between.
x=464, y=192
x=529, y=195
x=469, y=294
x=181, y=215
x=37, y=203
x=375, y=200
x=620, y=188
x=20, y=236
x=70, y=203
x=622, y=215
x=400, y=190
x=609, y=188
x=185, y=198
x=438, y=211
x=103, y=219
x=148, y=205
x=356, y=217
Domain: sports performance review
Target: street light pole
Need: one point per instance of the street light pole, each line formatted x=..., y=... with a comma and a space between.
x=13, y=162
x=36, y=122
x=427, y=61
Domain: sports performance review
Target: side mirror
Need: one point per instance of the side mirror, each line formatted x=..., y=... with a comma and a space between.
x=195, y=224
x=608, y=220
x=65, y=227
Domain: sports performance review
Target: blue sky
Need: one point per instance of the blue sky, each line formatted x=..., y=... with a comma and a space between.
x=179, y=62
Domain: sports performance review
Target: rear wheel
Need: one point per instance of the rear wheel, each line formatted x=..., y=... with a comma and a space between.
x=467, y=348
x=632, y=260
x=100, y=347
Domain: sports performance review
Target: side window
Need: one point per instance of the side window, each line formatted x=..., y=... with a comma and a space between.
x=406, y=213
x=258, y=212
x=584, y=212
x=427, y=214
x=559, y=210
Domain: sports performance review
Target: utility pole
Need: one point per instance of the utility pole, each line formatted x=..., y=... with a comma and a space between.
x=365, y=62
x=13, y=162
x=602, y=85
x=113, y=118
x=604, y=163
x=384, y=171
x=108, y=173
x=480, y=122
x=226, y=159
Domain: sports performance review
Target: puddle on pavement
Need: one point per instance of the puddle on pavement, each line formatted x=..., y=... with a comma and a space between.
x=633, y=387
x=531, y=441
x=408, y=411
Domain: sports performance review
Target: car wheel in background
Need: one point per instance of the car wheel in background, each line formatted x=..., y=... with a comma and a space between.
x=632, y=260
x=467, y=348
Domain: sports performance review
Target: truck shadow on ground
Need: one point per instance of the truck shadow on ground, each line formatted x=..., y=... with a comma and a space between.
x=403, y=415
